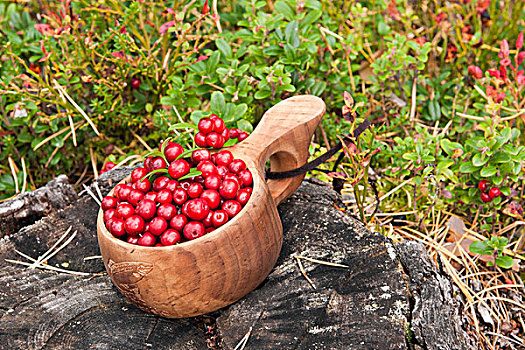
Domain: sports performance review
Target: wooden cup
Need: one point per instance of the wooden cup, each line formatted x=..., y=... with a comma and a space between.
x=219, y=268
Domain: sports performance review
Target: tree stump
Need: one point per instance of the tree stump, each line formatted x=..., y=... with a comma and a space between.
x=371, y=302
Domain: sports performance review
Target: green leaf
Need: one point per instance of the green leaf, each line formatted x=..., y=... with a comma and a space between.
x=500, y=157
x=449, y=146
x=478, y=160
x=157, y=171
x=318, y=88
x=217, y=103
x=479, y=247
x=505, y=261
x=212, y=62
x=434, y=109
x=488, y=171
x=189, y=175
x=284, y=9
x=224, y=48
x=238, y=111
x=245, y=125
x=383, y=28
x=467, y=168
x=311, y=17
x=183, y=126
x=272, y=50
x=259, y=95
x=185, y=153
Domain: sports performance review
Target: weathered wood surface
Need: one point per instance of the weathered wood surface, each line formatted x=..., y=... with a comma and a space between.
x=365, y=306
x=31, y=206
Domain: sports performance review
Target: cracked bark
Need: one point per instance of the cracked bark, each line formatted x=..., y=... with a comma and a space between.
x=365, y=306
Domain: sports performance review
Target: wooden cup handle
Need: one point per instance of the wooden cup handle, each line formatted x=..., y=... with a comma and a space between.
x=283, y=135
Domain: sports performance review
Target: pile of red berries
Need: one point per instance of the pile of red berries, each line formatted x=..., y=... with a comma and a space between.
x=486, y=197
x=214, y=133
x=174, y=208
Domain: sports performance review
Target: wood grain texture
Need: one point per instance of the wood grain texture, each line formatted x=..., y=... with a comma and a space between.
x=218, y=269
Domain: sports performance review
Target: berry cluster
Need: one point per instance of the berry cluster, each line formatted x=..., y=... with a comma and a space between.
x=171, y=209
x=486, y=197
x=214, y=133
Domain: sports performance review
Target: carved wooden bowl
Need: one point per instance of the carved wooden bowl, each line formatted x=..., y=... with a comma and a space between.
x=219, y=268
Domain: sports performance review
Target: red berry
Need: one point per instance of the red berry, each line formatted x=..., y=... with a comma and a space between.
x=232, y=177
x=117, y=189
x=243, y=196
x=213, y=116
x=212, y=197
x=152, y=196
x=160, y=183
x=214, y=139
x=178, y=168
x=220, y=217
x=109, y=165
x=212, y=182
x=164, y=196
x=167, y=211
x=135, y=197
x=144, y=185
x=226, y=134
x=125, y=210
x=158, y=163
x=134, y=225
x=180, y=196
x=483, y=185
x=147, y=209
x=124, y=192
x=172, y=151
x=200, y=140
x=228, y=189
x=218, y=125
x=178, y=222
x=234, y=133
x=207, y=168
x=148, y=164
x=205, y=125
x=207, y=220
x=109, y=202
x=494, y=192
x=172, y=185
x=116, y=227
x=231, y=207
x=198, y=179
x=158, y=225
x=194, y=229
x=248, y=189
x=237, y=165
x=199, y=155
x=137, y=174
x=170, y=237
x=135, y=83
x=132, y=240
x=246, y=177
x=147, y=240
x=243, y=136
x=196, y=209
x=109, y=214
x=185, y=184
x=223, y=157
x=195, y=190
x=210, y=229
x=222, y=170
x=485, y=197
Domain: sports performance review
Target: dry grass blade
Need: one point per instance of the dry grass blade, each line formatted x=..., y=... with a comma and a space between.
x=127, y=159
x=141, y=140
x=242, y=344
x=12, y=166
x=506, y=338
x=72, y=126
x=91, y=194
x=98, y=191
x=303, y=272
x=93, y=257
x=43, y=256
x=24, y=172
x=56, y=134
x=49, y=267
x=93, y=162
x=388, y=193
x=321, y=262
x=51, y=253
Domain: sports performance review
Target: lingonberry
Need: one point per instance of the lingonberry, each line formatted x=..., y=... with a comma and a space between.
x=196, y=209
x=158, y=163
x=483, y=185
x=178, y=222
x=207, y=220
x=199, y=155
x=109, y=214
x=200, y=140
x=135, y=83
x=125, y=210
x=180, y=196
x=214, y=139
x=158, y=225
x=212, y=197
x=212, y=182
x=109, y=165
x=147, y=209
x=210, y=229
x=160, y=183
x=170, y=237
x=124, y=192
x=198, y=179
x=226, y=134
x=246, y=177
x=138, y=173
x=231, y=207
x=116, y=227
x=109, y=202
x=172, y=185
x=185, y=184
x=152, y=196
x=172, y=151
x=132, y=240
x=178, y=168
x=194, y=229
x=237, y=165
x=147, y=240
x=134, y=225
x=164, y=196
x=207, y=168
x=242, y=136
x=218, y=125
x=167, y=211
x=135, y=197
x=229, y=189
x=223, y=157
x=195, y=190
x=205, y=125
x=213, y=116
x=222, y=170
x=243, y=196
x=116, y=190
x=494, y=192
x=230, y=176
x=485, y=197
x=220, y=217
x=144, y=185
x=234, y=133
x=248, y=189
